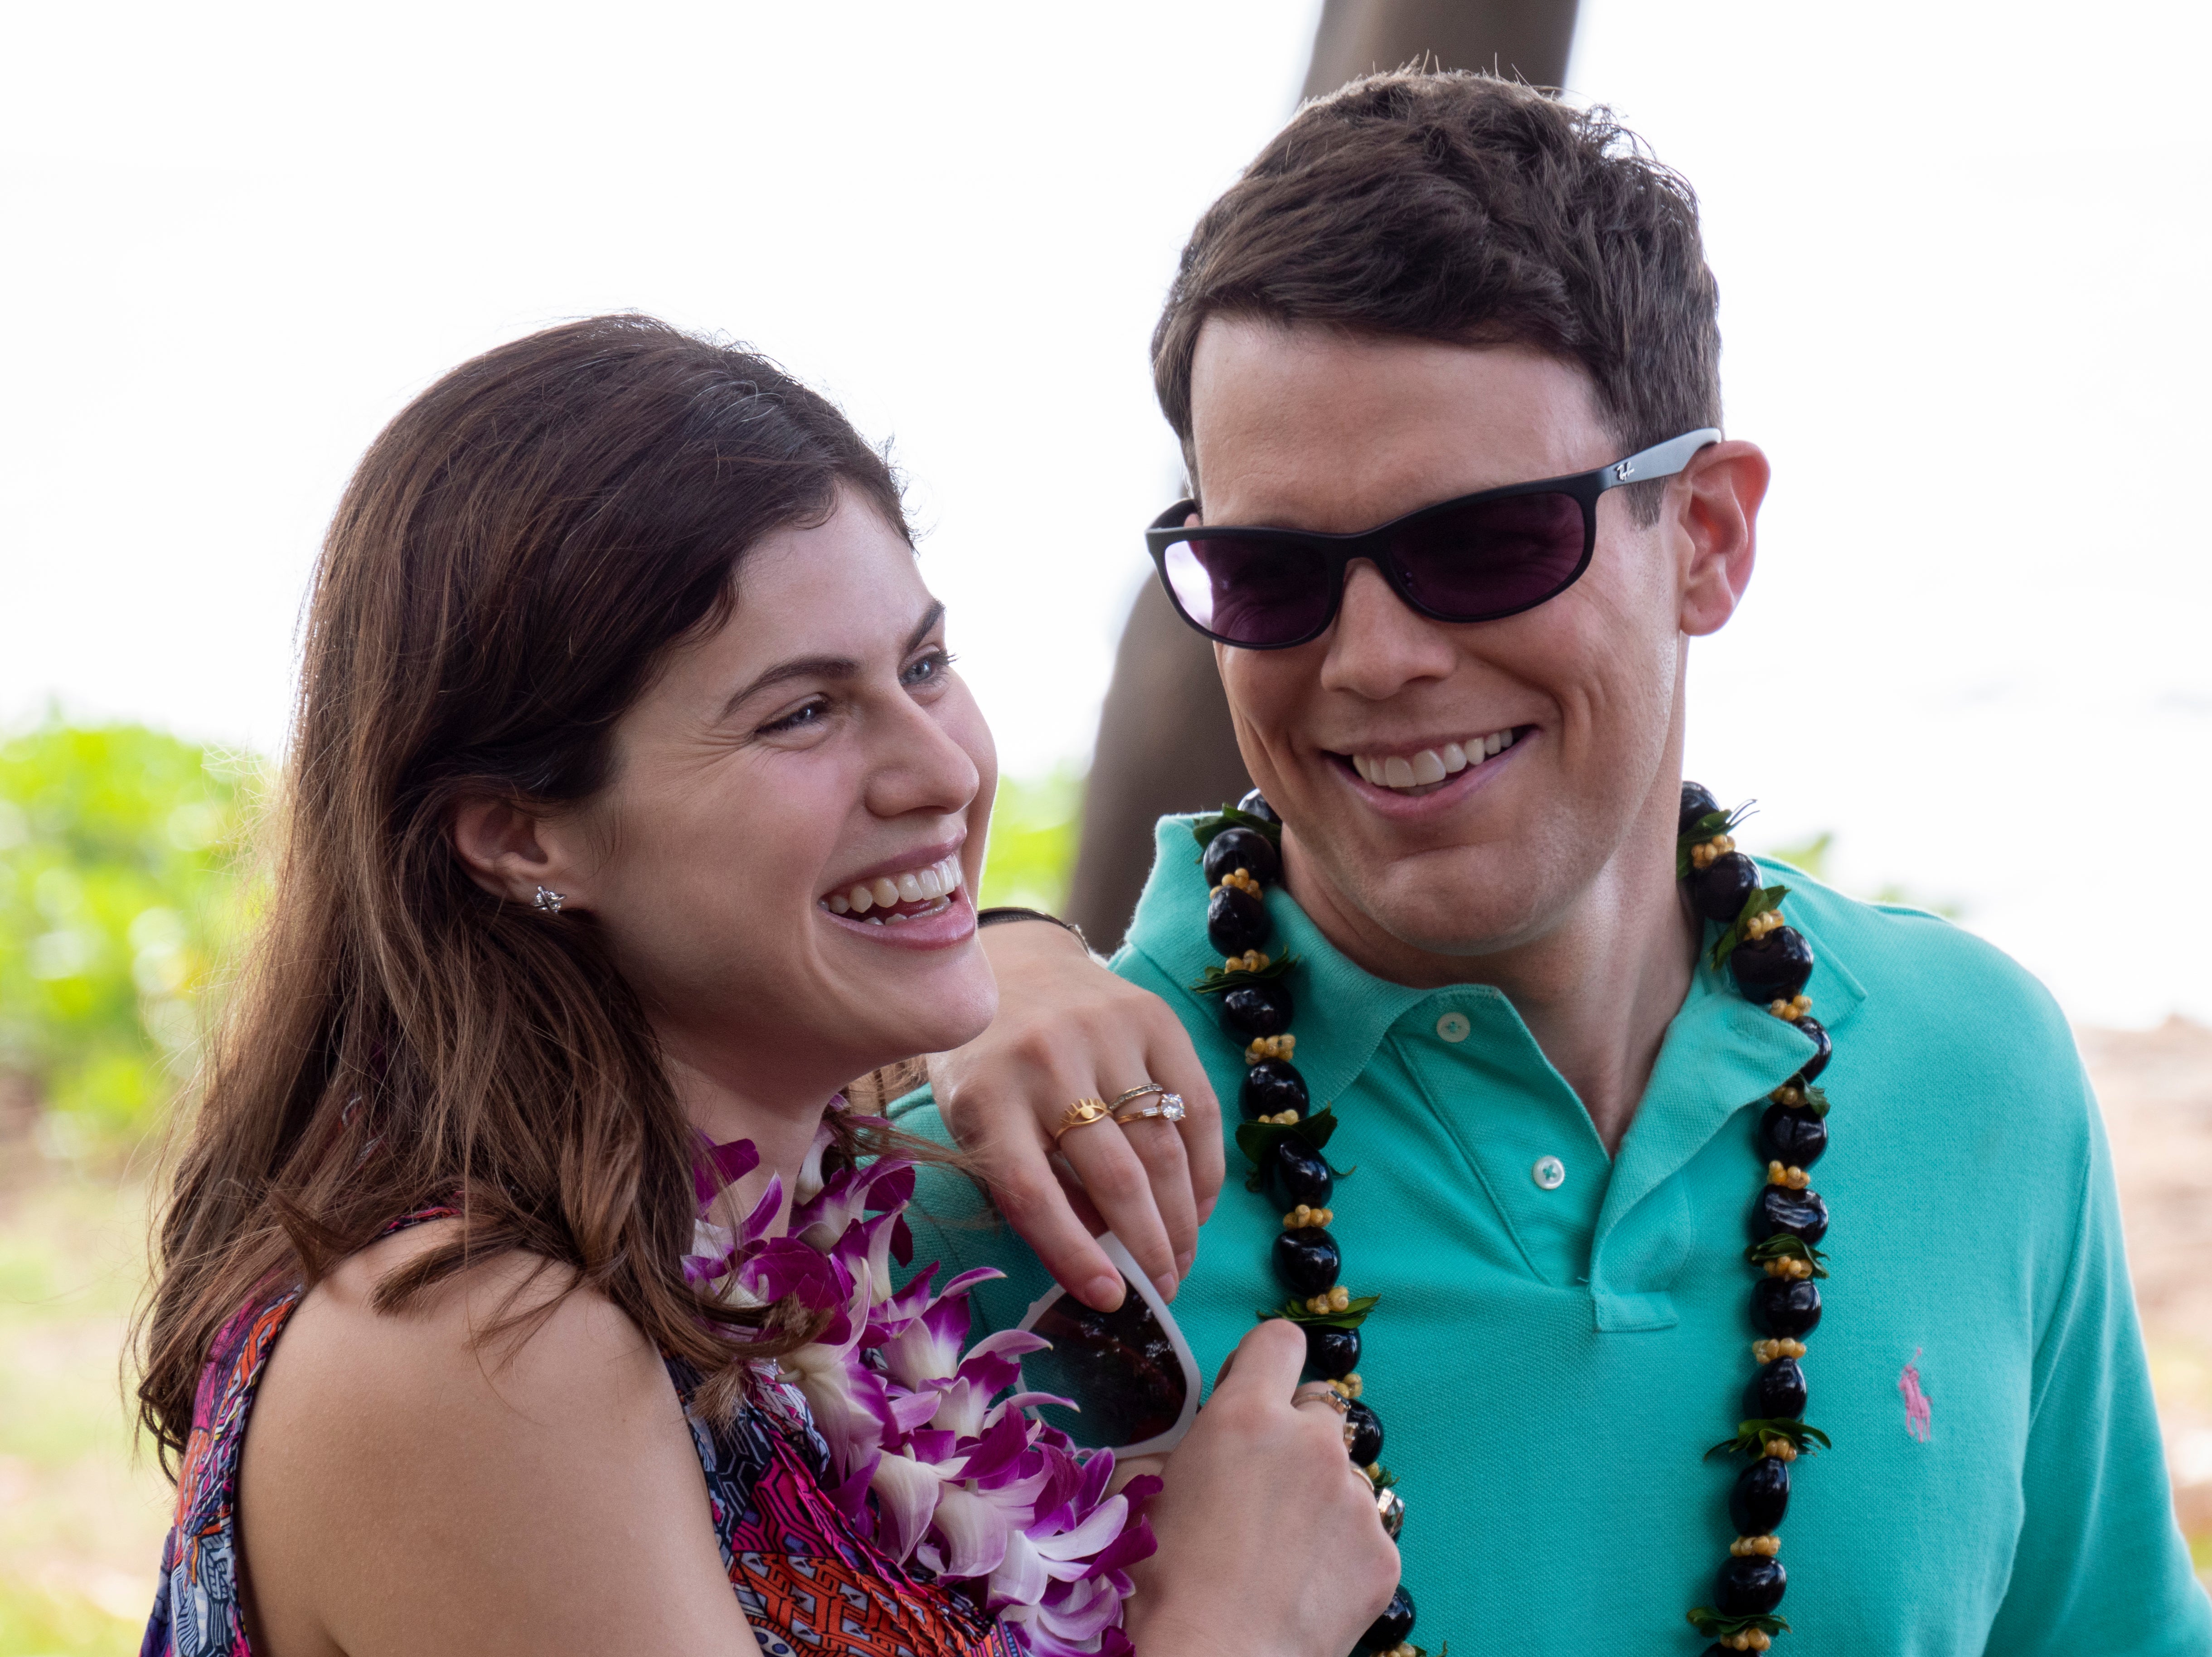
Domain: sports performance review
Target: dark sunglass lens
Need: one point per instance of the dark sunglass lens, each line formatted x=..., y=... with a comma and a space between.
x=1493, y=557
x=1250, y=592
x=1119, y=1367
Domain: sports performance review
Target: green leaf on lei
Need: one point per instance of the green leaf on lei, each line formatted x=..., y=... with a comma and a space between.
x=1766, y=898
x=1704, y=829
x=1204, y=829
x=1781, y=1247
x=1219, y=979
x=1351, y=1318
x=1714, y=1626
x=1253, y=1138
x=1751, y=1437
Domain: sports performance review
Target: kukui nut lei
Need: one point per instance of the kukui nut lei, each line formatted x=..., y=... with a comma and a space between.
x=1285, y=1136
x=1771, y=963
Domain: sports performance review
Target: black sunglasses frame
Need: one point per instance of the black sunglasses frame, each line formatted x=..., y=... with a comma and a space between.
x=1660, y=460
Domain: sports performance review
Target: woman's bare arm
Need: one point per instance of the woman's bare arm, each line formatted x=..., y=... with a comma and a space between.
x=405, y=1490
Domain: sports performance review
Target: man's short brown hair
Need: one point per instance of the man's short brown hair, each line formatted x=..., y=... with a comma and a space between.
x=1471, y=210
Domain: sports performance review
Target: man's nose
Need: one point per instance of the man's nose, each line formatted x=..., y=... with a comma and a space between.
x=1381, y=644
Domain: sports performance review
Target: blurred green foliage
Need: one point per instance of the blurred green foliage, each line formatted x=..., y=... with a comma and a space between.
x=119, y=894
x=1031, y=855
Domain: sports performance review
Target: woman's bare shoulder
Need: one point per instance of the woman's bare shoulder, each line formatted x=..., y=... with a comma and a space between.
x=508, y=1446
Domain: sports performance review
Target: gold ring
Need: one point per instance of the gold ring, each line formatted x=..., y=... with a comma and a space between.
x=1335, y=1400
x=1139, y=1092
x=1082, y=1114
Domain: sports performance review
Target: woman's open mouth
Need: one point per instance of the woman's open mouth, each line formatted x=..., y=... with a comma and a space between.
x=892, y=900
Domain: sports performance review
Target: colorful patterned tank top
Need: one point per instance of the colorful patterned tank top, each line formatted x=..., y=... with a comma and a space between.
x=810, y=1585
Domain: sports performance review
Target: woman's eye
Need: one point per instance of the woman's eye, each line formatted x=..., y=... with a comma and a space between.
x=797, y=719
x=930, y=668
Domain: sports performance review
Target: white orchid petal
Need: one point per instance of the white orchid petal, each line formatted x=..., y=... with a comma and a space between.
x=1021, y=1575
x=906, y=1500
x=1088, y=1539
x=976, y=1532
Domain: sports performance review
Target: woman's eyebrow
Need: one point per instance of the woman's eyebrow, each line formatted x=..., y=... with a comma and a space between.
x=827, y=667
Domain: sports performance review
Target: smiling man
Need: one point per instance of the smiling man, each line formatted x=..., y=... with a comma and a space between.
x=1444, y=363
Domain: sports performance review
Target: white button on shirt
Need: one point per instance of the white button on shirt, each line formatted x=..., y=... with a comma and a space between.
x=1453, y=1027
x=1550, y=1172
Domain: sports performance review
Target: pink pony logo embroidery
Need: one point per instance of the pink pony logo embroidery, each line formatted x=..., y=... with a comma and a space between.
x=1915, y=1401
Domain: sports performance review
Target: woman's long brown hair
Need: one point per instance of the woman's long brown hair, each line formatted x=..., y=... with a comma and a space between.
x=517, y=552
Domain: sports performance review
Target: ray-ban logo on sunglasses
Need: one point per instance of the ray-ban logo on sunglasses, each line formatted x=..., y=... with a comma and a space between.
x=1624, y=471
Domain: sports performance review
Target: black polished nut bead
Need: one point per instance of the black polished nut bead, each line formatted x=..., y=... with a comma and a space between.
x=1776, y=1393
x=1786, y=1308
x=1293, y=1172
x=1800, y=1213
x=1760, y=1498
x=1331, y=1353
x=1749, y=1587
x=1272, y=1086
x=1792, y=1135
x=1235, y=920
x=1243, y=848
x=1307, y=1259
x=1718, y=890
x=1366, y=1430
x=1770, y=969
x=1697, y=800
x=1823, y=1048
x=1252, y=1009
x=1394, y=1627
x=1255, y=805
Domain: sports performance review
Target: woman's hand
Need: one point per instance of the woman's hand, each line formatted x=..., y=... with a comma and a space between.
x=1069, y=1030
x=1269, y=1540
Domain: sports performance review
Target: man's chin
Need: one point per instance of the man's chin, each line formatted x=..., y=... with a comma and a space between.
x=1432, y=905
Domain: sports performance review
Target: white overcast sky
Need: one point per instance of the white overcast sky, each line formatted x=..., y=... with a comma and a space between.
x=1962, y=251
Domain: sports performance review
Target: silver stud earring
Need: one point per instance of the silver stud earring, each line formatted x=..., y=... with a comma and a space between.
x=548, y=902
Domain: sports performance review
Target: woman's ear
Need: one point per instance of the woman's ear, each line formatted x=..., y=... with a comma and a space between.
x=500, y=845
x=1719, y=516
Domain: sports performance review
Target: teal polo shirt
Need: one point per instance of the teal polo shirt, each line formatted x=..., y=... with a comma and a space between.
x=1551, y=1361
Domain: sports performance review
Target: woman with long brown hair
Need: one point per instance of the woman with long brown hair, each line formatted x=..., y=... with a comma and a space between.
x=633, y=809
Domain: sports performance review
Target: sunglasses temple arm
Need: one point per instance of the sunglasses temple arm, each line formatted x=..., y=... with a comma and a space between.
x=1661, y=459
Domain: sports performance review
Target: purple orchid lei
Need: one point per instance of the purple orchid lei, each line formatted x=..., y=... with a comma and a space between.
x=928, y=1467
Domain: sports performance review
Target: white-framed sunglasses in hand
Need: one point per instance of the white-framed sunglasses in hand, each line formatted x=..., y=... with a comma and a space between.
x=1128, y=1372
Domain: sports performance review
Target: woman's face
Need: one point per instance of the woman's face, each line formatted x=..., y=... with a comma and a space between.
x=784, y=858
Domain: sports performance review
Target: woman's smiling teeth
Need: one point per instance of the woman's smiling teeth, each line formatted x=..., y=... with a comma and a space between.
x=1429, y=765
x=918, y=892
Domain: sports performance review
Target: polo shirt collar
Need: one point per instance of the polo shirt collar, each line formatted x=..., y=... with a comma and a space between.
x=1721, y=1052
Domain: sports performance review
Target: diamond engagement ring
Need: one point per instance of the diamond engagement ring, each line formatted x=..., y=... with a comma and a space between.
x=1167, y=1108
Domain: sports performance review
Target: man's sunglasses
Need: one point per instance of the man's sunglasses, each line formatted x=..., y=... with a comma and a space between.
x=1472, y=559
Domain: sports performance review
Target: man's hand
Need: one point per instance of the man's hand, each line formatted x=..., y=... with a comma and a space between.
x=1069, y=1030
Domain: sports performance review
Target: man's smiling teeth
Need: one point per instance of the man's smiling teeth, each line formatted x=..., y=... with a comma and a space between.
x=1430, y=764
x=933, y=884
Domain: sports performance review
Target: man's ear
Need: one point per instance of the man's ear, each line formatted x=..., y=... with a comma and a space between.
x=500, y=844
x=1716, y=508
